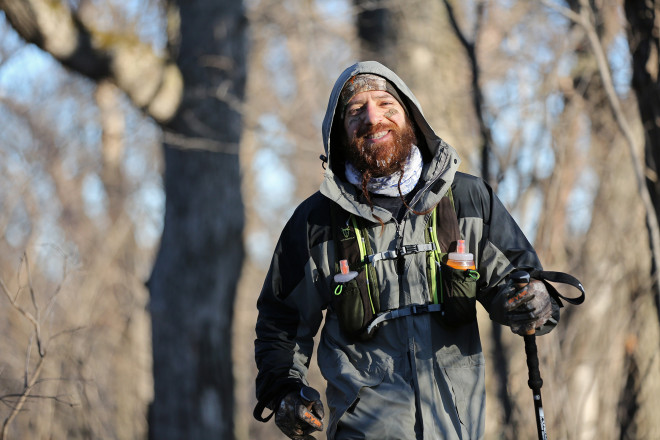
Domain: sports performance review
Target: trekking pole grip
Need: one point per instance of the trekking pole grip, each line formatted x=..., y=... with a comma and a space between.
x=535, y=382
x=521, y=280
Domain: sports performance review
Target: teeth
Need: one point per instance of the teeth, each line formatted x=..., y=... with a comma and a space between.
x=378, y=135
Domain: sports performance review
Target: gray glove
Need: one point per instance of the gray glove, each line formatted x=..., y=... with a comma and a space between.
x=300, y=413
x=523, y=309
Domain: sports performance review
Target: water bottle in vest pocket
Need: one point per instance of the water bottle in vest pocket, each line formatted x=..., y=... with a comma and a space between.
x=458, y=296
x=354, y=307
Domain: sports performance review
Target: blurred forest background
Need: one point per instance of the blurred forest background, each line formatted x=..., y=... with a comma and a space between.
x=151, y=151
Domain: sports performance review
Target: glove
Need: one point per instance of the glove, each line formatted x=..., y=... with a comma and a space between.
x=300, y=413
x=523, y=309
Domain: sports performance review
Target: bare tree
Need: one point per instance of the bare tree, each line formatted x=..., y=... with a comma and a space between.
x=193, y=283
x=643, y=42
x=193, y=280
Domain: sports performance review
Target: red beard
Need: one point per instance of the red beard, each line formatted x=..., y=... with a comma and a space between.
x=382, y=159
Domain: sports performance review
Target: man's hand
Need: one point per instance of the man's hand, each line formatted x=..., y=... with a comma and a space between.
x=524, y=309
x=300, y=413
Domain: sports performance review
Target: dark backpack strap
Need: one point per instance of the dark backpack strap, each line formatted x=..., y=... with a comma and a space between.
x=343, y=234
x=560, y=277
x=345, y=230
x=446, y=224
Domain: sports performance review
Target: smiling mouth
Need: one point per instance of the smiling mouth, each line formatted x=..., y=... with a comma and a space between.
x=378, y=135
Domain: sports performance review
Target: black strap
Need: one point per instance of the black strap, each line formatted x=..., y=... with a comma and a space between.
x=446, y=224
x=560, y=277
x=258, y=411
x=415, y=309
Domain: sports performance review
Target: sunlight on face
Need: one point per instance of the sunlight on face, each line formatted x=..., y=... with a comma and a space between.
x=368, y=109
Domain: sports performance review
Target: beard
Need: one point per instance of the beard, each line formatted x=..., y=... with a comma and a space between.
x=382, y=159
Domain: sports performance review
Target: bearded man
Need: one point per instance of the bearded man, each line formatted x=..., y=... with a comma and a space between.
x=400, y=347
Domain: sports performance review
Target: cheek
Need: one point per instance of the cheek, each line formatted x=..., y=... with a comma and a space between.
x=399, y=119
x=391, y=113
x=350, y=129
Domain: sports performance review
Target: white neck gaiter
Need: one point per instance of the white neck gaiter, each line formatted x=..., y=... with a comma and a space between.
x=388, y=185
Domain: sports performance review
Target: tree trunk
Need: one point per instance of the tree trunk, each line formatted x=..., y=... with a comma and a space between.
x=645, y=49
x=194, y=278
x=417, y=42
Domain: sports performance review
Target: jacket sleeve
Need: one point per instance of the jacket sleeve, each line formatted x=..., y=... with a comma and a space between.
x=500, y=245
x=289, y=315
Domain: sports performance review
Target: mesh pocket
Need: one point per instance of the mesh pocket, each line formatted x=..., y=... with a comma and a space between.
x=459, y=296
x=353, y=309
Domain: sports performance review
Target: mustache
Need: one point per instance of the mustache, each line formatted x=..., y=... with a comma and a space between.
x=373, y=129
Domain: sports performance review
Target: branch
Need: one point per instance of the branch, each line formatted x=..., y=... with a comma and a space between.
x=477, y=96
x=22, y=399
x=21, y=310
x=29, y=380
x=153, y=82
x=584, y=19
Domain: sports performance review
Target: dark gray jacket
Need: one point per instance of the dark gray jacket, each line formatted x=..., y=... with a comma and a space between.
x=415, y=379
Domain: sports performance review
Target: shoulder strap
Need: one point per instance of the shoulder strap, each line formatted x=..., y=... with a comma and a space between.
x=443, y=232
x=344, y=235
x=446, y=223
x=352, y=244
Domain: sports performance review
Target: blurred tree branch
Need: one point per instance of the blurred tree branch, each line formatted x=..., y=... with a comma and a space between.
x=151, y=80
x=30, y=379
x=477, y=94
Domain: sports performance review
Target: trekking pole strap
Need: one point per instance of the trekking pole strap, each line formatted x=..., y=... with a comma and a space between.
x=559, y=277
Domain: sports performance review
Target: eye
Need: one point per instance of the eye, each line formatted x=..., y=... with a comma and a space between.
x=353, y=111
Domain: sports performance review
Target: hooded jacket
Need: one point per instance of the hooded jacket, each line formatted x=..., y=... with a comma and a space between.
x=415, y=379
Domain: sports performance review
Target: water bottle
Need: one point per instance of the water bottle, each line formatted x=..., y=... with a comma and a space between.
x=460, y=259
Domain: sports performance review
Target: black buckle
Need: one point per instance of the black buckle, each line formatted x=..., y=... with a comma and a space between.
x=408, y=249
x=418, y=309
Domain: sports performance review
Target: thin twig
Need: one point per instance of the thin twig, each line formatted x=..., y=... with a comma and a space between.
x=57, y=399
x=31, y=285
x=28, y=353
x=29, y=380
x=16, y=306
x=37, y=309
x=22, y=399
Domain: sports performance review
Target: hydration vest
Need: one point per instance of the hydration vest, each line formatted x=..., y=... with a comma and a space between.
x=452, y=292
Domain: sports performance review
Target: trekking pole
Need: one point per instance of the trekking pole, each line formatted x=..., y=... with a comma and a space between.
x=521, y=280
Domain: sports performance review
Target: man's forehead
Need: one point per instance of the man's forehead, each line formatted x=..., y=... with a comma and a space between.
x=362, y=83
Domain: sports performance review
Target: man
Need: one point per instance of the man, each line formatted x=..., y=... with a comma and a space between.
x=400, y=347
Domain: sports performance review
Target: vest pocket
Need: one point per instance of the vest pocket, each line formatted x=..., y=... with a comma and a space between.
x=353, y=308
x=458, y=296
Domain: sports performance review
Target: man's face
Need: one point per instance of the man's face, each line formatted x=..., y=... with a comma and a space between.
x=378, y=132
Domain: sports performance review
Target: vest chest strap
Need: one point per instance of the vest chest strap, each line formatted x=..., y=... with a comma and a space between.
x=403, y=250
x=415, y=309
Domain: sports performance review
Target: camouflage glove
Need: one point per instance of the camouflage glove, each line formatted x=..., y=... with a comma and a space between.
x=523, y=309
x=300, y=413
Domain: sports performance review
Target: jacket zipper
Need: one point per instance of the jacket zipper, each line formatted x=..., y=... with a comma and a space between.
x=400, y=263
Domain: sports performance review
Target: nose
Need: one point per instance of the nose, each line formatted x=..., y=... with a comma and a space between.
x=372, y=115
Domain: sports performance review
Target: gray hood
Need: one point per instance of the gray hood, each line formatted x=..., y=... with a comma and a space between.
x=443, y=165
